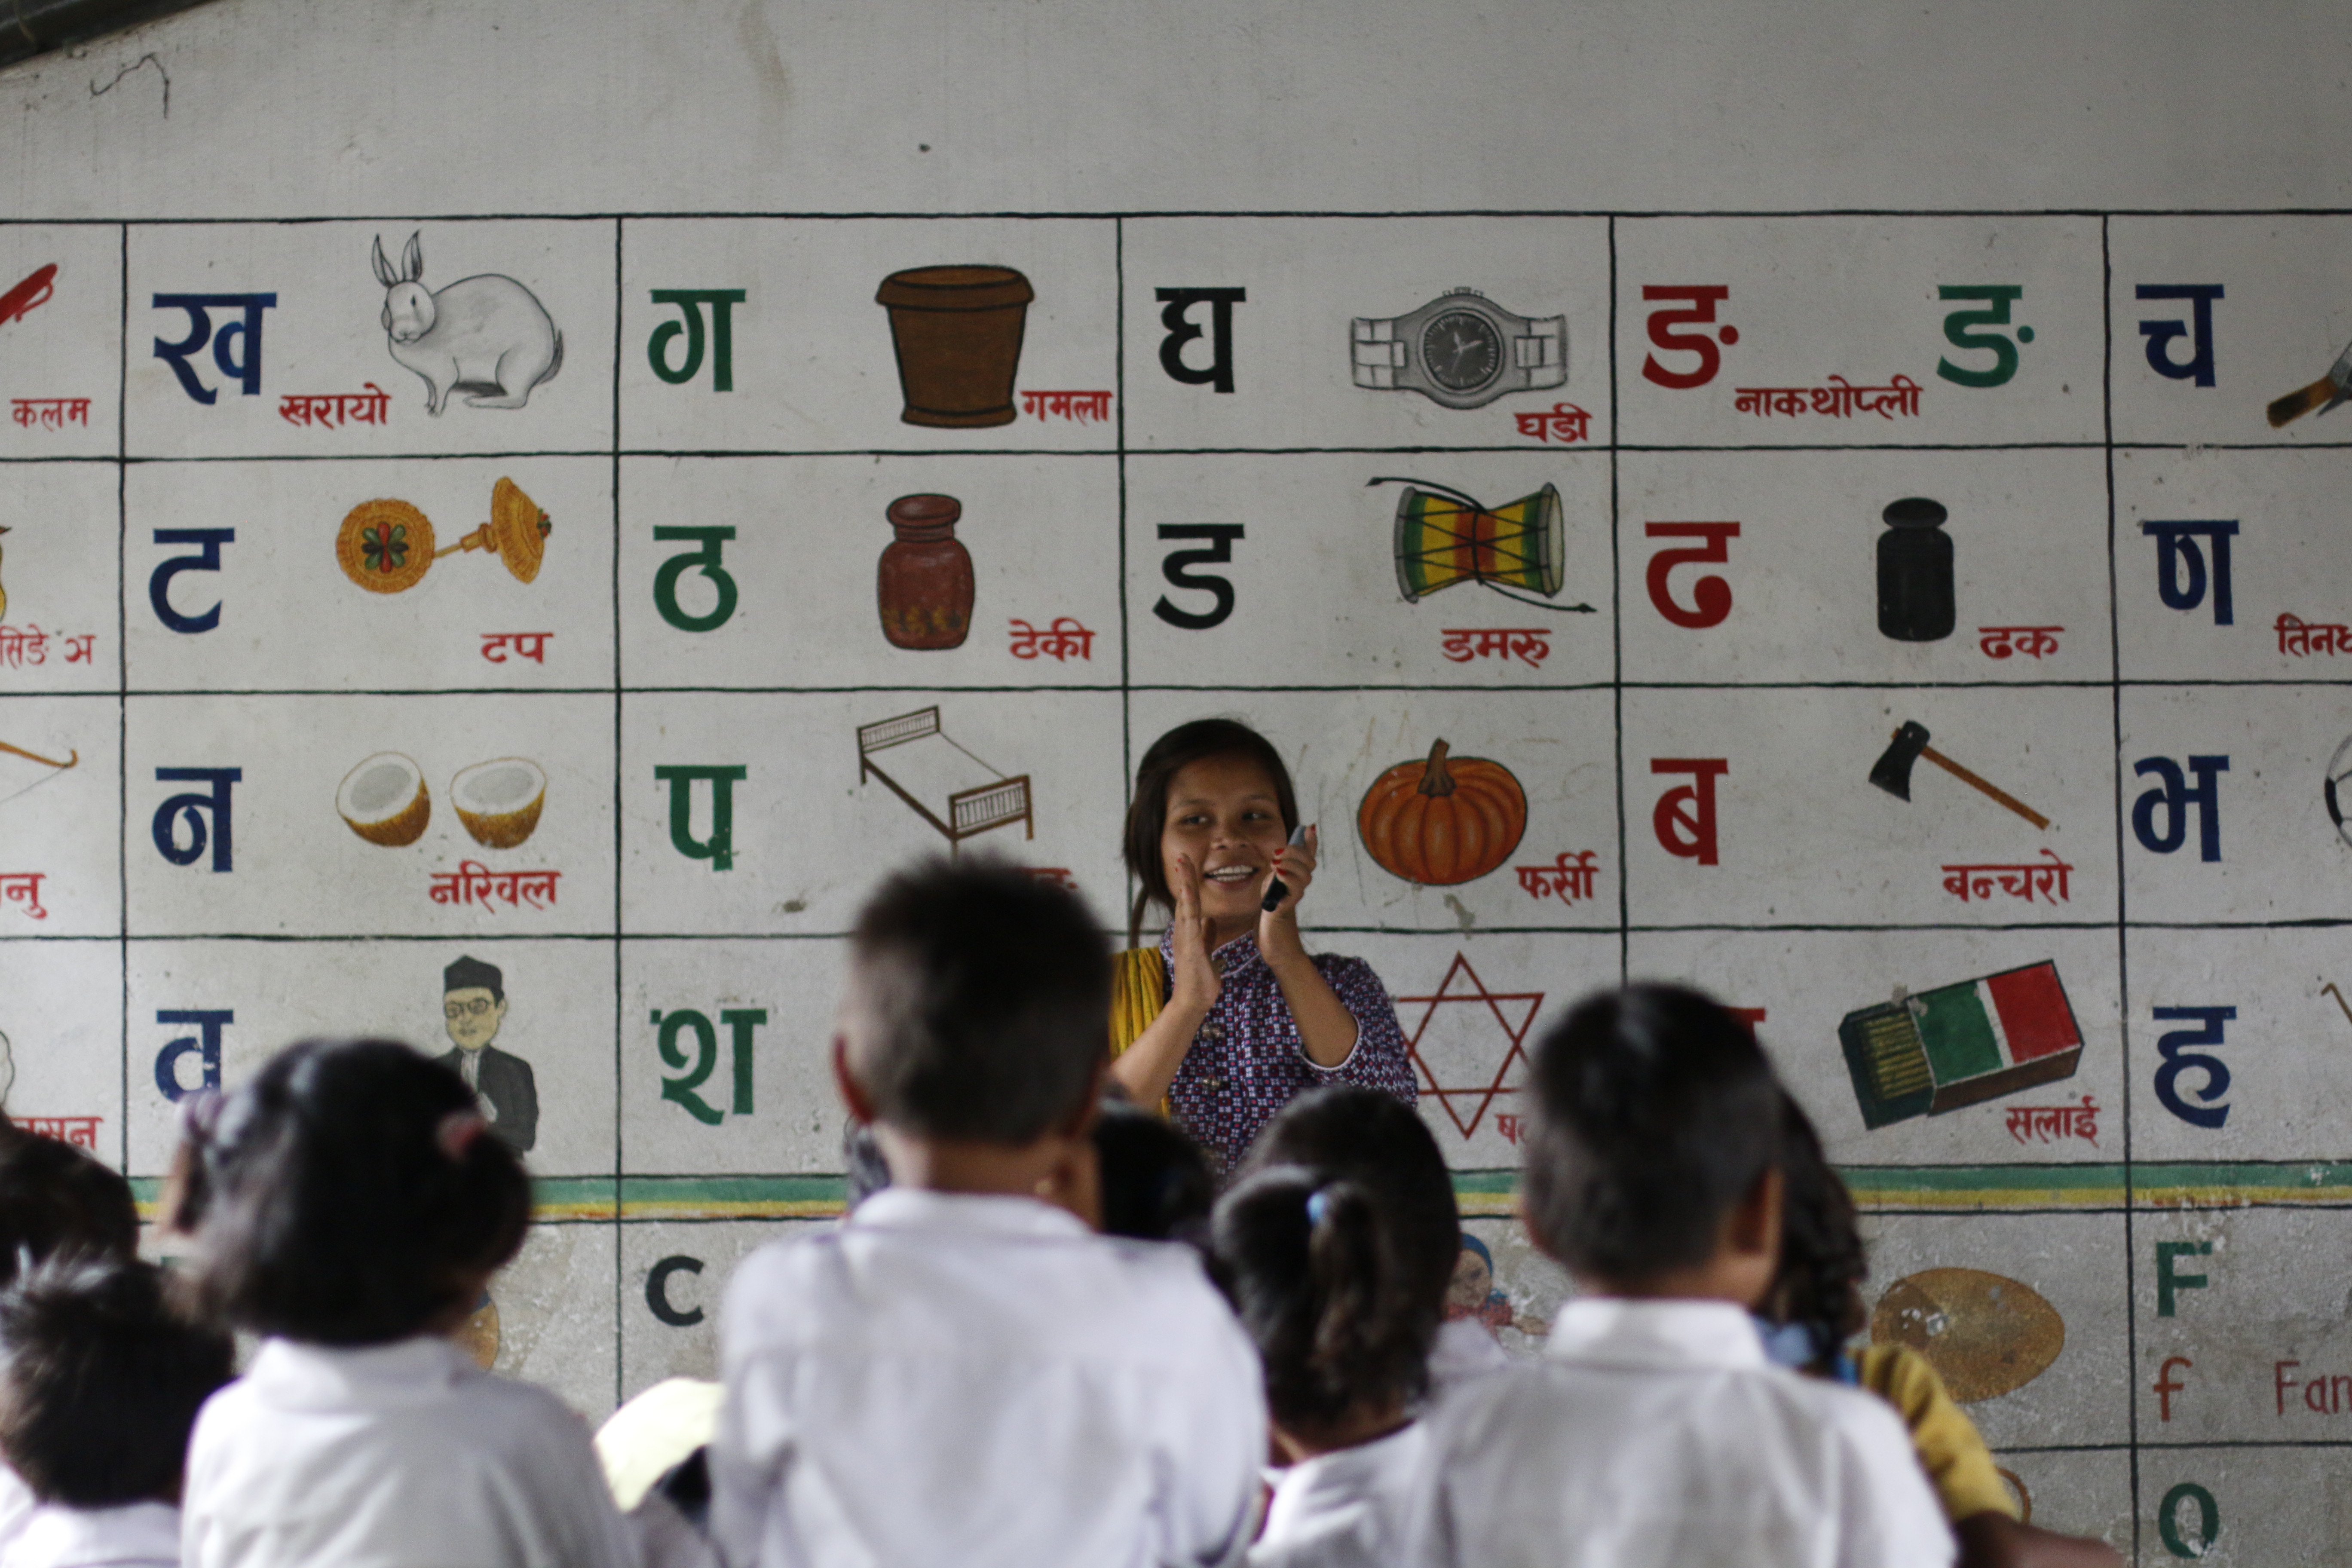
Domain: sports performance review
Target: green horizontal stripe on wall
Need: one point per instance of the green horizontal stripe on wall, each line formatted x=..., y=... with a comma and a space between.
x=731, y=1197
x=2085, y=1186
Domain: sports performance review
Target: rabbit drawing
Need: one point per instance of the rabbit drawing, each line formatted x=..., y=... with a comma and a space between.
x=486, y=335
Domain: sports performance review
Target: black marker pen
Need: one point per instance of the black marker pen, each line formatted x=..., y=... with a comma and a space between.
x=1275, y=892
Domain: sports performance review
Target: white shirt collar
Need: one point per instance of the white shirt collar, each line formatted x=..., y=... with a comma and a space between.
x=321, y=1377
x=138, y=1532
x=964, y=1213
x=1618, y=1330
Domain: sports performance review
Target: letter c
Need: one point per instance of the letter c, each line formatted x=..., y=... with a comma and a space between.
x=657, y=1299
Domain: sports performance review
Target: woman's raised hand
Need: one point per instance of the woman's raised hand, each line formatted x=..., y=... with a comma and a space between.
x=1195, y=983
x=1295, y=864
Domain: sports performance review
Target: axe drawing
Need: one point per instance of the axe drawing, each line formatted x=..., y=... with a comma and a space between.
x=1892, y=772
x=2323, y=394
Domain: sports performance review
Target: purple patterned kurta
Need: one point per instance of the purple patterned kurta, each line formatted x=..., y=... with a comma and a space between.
x=1247, y=1060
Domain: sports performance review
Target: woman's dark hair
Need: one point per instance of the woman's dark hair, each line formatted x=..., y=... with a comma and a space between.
x=100, y=1380
x=350, y=1194
x=1328, y=1291
x=1655, y=1115
x=1822, y=1264
x=1156, y=1183
x=55, y=1201
x=1147, y=813
x=1380, y=1144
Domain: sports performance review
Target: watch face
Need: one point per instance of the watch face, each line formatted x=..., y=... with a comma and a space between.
x=1461, y=349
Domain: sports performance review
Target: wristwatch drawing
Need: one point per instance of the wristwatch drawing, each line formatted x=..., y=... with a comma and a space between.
x=1461, y=349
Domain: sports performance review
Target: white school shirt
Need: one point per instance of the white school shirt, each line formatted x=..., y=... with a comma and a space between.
x=1656, y=1435
x=136, y=1535
x=17, y=1505
x=953, y=1378
x=399, y=1455
x=1464, y=1348
x=1345, y=1509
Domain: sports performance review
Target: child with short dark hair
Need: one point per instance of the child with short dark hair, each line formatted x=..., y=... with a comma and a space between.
x=1336, y=1246
x=99, y=1383
x=962, y=1371
x=349, y=1204
x=54, y=1201
x=1655, y=1431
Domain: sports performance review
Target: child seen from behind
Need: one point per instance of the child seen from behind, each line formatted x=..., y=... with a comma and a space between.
x=348, y=1204
x=1653, y=1433
x=962, y=1371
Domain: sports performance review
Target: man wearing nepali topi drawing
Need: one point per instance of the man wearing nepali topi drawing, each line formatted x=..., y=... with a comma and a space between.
x=474, y=1003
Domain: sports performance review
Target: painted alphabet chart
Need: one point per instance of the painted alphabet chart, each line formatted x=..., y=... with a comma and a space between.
x=531, y=639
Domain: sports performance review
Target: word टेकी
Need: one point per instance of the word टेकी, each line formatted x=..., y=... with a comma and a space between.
x=1841, y=399
x=2043, y=1123
x=1529, y=644
x=1568, y=878
x=531, y=646
x=1563, y=421
x=1065, y=639
x=473, y=882
x=2047, y=877
x=372, y=407
x=2001, y=642
x=21, y=645
x=1076, y=407
x=49, y=412
x=24, y=887
x=2304, y=638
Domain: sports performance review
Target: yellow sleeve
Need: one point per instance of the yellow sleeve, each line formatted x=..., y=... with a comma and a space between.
x=1139, y=989
x=1951, y=1449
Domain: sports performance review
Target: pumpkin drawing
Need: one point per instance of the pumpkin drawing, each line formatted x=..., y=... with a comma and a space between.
x=1443, y=820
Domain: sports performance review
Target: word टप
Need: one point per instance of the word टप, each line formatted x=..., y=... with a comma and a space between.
x=1841, y=399
x=81, y=1131
x=24, y=887
x=1182, y=330
x=2033, y=642
x=2043, y=1123
x=684, y=1091
x=49, y=412
x=372, y=407
x=1529, y=644
x=531, y=646
x=1562, y=421
x=1568, y=879
x=2173, y=799
x=236, y=345
x=719, y=846
x=721, y=341
x=21, y=645
x=473, y=882
x=1062, y=640
x=2047, y=877
x=2199, y=329
x=1684, y=818
x=1076, y=406
x=2180, y=576
x=204, y=1045
x=2303, y=638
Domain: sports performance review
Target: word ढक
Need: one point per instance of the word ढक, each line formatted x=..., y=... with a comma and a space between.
x=2000, y=642
x=372, y=407
x=1564, y=420
x=2043, y=1123
x=1062, y=640
x=1568, y=879
x=473, y=882
x=2047, y=877
x=1076, y=407
x=24, y=887
x=531, y=646
x=1529, y=644
x=1841, y=399
x=49, y=412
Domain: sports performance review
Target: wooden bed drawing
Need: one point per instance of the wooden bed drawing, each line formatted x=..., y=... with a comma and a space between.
x=919, y=762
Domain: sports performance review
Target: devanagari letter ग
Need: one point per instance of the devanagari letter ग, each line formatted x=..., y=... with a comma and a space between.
x=1032, y=403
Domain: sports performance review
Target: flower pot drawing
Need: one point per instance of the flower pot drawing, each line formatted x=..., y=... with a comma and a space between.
x=923, y=584
x=957, y=332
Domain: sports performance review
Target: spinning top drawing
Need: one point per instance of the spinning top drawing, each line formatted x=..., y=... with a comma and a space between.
x=386, y=546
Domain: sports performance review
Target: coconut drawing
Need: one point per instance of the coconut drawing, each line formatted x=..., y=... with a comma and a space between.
x=384, y=800
x=499, y=800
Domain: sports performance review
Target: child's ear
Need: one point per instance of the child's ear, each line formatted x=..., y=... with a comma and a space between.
x=1755, y=1227
x=844, y=1082
x=1081, y=1123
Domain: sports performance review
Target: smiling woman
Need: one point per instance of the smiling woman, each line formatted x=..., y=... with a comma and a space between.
x=1229, y=1016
